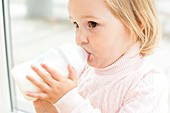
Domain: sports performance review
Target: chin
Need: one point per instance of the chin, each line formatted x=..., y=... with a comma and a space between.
x=94, y=64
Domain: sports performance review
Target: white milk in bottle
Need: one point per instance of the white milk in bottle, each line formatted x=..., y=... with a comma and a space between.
x=56, y=58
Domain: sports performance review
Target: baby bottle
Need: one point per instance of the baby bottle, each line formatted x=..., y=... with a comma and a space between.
x=56, y=58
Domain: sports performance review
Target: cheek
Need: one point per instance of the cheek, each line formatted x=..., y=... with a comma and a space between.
x=102, y=53
x=119, y=39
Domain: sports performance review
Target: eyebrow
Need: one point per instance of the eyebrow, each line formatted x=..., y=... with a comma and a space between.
x=88, y=16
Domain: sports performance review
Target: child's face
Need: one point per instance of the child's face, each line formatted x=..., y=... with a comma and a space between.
x=102, y=35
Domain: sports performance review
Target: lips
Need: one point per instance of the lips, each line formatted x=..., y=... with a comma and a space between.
x=88, y=57
x=88, y=53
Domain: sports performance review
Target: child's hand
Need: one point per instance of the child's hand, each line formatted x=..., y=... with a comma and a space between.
x=54, y=85
x=43, y=106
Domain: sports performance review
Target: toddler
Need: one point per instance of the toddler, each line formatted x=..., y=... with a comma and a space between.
x=117, y=35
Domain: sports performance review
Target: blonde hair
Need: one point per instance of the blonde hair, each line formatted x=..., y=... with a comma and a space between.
x=140, y=17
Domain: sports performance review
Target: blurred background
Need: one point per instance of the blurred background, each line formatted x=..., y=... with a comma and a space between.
x=37, y=25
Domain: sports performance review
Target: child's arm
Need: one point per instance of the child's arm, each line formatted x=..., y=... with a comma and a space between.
x=72, y=102
x=55, y=87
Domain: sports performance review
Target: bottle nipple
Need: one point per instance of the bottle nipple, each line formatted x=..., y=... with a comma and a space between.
x=82, y=53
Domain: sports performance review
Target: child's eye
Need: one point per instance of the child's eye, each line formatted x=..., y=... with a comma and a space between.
x=76, y=25
x=92, y=24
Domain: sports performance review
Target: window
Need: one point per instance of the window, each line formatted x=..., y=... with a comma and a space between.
x=6, y=103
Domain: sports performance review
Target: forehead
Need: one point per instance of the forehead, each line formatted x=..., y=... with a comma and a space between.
x=87, y=7
x=89, y=2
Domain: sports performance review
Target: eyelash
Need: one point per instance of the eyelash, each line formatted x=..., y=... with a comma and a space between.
x=76, y=25
x=91, y=24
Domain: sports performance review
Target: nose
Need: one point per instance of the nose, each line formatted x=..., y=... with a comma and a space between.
x=81, y=37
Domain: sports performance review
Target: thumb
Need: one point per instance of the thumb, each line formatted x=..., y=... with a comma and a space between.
x=72, y=73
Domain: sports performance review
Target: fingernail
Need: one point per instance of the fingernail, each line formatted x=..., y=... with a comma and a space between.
x=26, y=92
x=27, y=76
x=33, y=66
x=43, y=64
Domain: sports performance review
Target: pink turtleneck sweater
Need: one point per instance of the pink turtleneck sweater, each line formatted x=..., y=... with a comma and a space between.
x=130, y=85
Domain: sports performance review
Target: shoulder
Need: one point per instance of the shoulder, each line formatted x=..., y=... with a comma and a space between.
x=150, y=90
x=154, y=77
x=153, y=74
x=150, y=79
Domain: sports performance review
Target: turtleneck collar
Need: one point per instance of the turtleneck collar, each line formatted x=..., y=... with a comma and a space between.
x=129, y=61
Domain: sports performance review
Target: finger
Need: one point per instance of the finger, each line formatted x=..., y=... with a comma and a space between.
x=55, y=74
x=44, y=75
x=72, y=73
x=37, y=95
x=43, y=86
